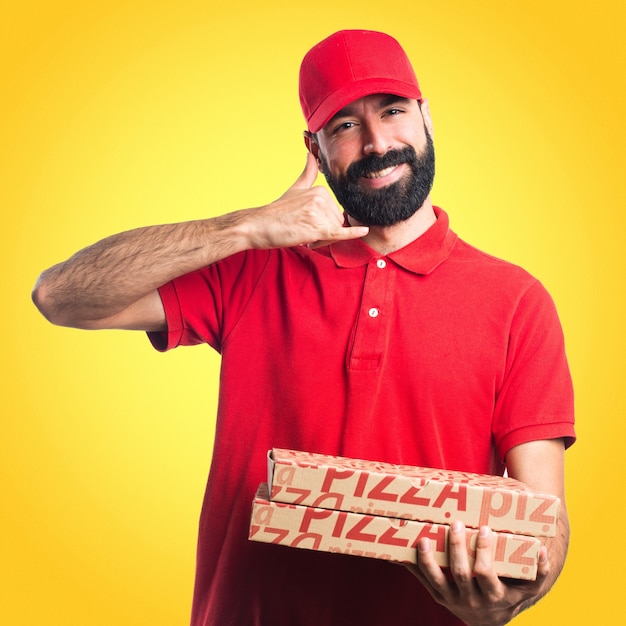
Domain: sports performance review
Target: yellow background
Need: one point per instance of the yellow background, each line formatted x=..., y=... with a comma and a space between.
x=124, y=113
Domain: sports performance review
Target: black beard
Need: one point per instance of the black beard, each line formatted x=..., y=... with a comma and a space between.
x=388, y=205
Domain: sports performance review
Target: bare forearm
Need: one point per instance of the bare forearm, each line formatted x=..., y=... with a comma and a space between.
x=111, y=282
x=108, y=276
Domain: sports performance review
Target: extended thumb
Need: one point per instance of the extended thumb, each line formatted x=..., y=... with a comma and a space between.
x=309, y=174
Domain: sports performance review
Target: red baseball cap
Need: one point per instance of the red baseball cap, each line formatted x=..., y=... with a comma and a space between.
x=349, y=65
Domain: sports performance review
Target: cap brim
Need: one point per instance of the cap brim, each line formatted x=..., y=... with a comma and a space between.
x=355, y=90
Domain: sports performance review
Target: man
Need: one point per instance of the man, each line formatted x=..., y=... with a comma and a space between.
x=377, y=334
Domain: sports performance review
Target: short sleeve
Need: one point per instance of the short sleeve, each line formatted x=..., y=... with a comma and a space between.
x=536, y=399
x=203, y=306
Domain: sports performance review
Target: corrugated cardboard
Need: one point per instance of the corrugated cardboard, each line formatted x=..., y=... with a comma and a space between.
x=297, y=526
x=407, y=492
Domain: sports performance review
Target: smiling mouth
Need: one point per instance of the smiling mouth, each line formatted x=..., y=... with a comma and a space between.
x=380, y=173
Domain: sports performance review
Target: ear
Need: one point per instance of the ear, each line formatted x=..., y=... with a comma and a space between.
x=426, y=116
x=310, y=141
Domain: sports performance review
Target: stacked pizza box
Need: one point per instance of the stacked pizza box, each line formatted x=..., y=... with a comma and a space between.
x=380, y=510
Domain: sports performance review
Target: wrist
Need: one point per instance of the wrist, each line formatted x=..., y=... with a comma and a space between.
x=229, y=234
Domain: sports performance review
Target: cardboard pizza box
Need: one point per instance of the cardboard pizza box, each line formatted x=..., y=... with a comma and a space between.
x=366, y=535
x=408, y=492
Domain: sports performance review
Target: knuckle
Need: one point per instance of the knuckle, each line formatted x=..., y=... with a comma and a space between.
x=474, y=603
x=481, y=568
x=461, y=575
x=317, y=194
x=493, y=598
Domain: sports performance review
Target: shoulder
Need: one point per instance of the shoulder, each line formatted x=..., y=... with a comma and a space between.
x=467, y=252
x=495, y=282
x=489, y=267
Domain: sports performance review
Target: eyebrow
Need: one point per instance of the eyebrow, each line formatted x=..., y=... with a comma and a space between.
x=349, y=110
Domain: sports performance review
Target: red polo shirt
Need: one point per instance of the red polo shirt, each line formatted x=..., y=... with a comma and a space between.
x=436, y=355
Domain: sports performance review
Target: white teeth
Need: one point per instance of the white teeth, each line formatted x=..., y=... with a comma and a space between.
x=381, y=173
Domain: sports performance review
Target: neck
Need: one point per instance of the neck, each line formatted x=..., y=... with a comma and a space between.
x=386, y=239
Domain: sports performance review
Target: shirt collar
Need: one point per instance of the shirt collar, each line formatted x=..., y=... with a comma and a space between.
x=421, y=256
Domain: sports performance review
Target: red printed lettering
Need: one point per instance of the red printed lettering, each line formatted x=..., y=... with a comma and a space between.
x=356, y=534
x=281, y=534
x=520, y=511
x=499, y=553
x=487, y=509
x=283, y=475
x=378, y=491
x=410, y=496
x=448, y=493
x=389, y=538
x=538, y=514
x=310, y=515
x=436, y=533
x=263, y=515
x=303, y=494
x=519, y=556
x=470, y=542
x=329, y=501
x=342, y=516
x=332, y=473
x=360, y=485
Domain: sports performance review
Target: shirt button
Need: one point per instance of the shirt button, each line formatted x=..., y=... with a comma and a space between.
x=381, y=263
x=373, y=312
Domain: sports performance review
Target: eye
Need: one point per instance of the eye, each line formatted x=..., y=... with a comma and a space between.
x=343, y=126
x=394, y=111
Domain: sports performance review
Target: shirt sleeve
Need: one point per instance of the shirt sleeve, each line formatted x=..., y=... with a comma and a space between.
x=536, y=399
x=203, y=306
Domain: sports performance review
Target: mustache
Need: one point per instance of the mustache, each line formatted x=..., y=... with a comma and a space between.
x=374, y=163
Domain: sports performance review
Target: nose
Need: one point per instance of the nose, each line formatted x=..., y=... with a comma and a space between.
x=375, y=141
